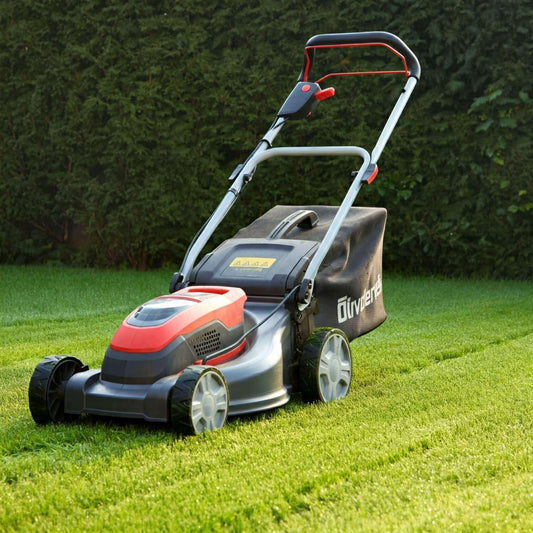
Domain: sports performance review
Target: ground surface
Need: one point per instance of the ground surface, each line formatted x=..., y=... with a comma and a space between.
x=436, y=433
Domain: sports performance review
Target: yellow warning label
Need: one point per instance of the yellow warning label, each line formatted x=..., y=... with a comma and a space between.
x=256, y=263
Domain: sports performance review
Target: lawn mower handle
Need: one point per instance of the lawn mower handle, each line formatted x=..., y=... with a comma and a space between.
x=242, y=175
x=369, y=38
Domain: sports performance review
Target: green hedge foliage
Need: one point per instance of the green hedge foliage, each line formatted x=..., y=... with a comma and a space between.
x=121, y=120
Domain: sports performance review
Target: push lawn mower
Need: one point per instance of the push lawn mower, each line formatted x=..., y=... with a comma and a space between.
x=268, y=313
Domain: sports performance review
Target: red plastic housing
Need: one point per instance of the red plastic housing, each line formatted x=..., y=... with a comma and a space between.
x=210, y=303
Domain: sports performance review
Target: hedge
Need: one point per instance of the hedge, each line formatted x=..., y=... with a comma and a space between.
x=121, y=121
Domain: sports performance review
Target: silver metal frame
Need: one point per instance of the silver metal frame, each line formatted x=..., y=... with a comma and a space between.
x=264, y=151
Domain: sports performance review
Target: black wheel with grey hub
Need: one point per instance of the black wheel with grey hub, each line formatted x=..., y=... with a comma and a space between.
x=325, y=366
x=47, y=388
x=199, y=400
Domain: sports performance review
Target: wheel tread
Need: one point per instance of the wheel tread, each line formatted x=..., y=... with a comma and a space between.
x=46, y=403
x=317, y=353
x=183, y=413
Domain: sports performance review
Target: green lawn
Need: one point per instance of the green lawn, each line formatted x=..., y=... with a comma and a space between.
x=436, y=433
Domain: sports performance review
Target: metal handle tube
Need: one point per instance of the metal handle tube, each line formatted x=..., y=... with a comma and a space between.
x=227, y=202
x=393, y=119
x=306, y=290
x=307, y=285
x=261, y=154
x=218, y=215
x=305, y=151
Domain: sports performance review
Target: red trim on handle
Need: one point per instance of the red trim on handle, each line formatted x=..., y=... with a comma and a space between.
x=352, y=45
x=372, y=176
x=367, y=73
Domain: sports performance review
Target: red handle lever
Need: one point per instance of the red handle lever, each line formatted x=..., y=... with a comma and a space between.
x=324, y=94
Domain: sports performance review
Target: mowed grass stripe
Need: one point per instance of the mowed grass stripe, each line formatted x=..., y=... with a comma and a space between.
x=435, y=434
x=418, y=442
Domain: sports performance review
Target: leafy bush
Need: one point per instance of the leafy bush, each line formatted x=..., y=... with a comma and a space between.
x=122, y=119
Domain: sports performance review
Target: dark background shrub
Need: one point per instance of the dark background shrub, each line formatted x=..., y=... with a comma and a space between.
x=121, y=120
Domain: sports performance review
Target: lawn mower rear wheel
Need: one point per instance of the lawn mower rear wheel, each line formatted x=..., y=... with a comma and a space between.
x=325, y=366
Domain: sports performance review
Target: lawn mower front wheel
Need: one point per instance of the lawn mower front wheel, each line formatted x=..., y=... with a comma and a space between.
x=325, y=366
x=199, y=400
x=46, y=392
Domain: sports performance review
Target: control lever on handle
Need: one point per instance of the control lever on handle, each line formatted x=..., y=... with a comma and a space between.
x=325, y=94
x=303, y=99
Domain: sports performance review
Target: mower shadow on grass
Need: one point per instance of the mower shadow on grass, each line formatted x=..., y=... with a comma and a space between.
x=94, y=436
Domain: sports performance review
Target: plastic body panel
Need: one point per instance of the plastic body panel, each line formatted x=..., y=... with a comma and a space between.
x=168, y=333
x=260, y=266
x=349, y=280
x=258, y=379
x=147, y=367
x=180, y=313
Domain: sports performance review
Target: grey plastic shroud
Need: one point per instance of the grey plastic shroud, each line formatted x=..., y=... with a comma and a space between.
x=258, y=380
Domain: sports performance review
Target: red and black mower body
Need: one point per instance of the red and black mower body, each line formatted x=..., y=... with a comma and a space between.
x=268, y=313
x=169, y=333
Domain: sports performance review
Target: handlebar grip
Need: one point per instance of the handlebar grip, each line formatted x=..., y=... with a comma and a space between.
x=361, y=38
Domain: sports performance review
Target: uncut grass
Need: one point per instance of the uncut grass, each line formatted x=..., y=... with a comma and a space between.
x=436, y=432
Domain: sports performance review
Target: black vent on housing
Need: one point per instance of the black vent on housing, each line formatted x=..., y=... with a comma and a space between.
x=206, y=343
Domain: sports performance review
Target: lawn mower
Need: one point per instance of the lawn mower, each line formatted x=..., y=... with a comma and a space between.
x=267, y=314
